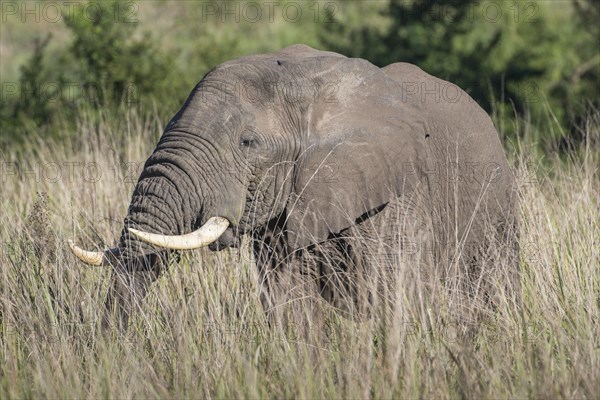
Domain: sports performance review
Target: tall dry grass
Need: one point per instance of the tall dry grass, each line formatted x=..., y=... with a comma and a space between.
x=201, y=331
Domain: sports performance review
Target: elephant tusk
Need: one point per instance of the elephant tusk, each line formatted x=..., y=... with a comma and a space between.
x=203, y=236
x=89, y=257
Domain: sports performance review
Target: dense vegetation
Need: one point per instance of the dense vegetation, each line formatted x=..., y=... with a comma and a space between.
x=532, y=58
x=201, y=332
x=537, y=61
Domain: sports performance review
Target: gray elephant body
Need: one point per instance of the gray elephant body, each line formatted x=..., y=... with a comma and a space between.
x=337, y=169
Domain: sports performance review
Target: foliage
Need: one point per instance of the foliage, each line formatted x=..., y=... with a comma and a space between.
x=534, y=56
x=119, y=67
x=521, y=60
x=30, y=107
x=104, y=67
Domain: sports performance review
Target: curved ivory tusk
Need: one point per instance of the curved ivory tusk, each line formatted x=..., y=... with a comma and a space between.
x=89, y=257
x=203, y=236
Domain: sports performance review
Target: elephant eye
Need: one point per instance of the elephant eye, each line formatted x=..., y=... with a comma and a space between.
x=246, y=142
x=249, y=139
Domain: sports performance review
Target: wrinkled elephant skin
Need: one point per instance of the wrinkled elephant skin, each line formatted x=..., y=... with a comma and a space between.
x=336, y=169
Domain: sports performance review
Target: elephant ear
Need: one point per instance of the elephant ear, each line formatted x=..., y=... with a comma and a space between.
x=333, y=188
x=355, y=147
x=349, y=171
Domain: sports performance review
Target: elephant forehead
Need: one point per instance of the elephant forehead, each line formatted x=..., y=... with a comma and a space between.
x=288, y=75
x=289, y=56
x=208, y=109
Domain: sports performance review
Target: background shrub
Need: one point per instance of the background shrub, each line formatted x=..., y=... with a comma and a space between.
x=521, y=60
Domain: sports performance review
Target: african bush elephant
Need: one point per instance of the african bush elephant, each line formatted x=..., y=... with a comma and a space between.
x=336, y=169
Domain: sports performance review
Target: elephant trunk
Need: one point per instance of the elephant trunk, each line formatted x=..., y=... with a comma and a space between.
x=160, y=204
x=175, y=195
x=155, y=207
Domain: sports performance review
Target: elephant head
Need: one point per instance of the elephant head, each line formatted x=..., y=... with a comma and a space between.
x=310, y=138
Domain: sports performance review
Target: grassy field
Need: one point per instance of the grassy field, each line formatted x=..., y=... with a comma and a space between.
x=201, y=332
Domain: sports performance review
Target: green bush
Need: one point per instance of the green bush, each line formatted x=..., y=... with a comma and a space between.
x=539, y=60
x=110, y=60
x=104, y=68
x=534, y=58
